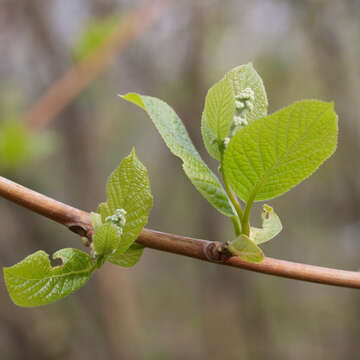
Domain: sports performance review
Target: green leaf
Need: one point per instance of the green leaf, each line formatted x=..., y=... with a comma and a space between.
x=210, y=140
x=218, y=114
x=106, y=239
x=271, y=155
x=94, y=35
x=246, y=249
x=128, y=188
x=271, y=226
x=245, y=76
x=96, y=220
x=33, y=282
x=178, y=141
x=129, y=258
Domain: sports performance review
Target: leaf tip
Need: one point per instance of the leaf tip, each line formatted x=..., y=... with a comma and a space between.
x=133, y=153
x=250, y=64
x=133, y=98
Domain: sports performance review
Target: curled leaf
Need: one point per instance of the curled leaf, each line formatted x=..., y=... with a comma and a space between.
x=246, y=249
x=271, y=226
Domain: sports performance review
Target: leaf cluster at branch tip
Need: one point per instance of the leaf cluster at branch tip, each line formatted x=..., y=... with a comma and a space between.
x=34, y=282
x=261, y=156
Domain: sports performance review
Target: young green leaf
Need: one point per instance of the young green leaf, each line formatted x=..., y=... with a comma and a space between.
x=272, y=154
x=210, y=140
x=33, y=282
x=218, y=115
x=178, y=141
x=129, y=258
x=128, y=188
x=243, y=77
x=96, y=220
x=246, y=249
x=271, y=226
x=106, y=239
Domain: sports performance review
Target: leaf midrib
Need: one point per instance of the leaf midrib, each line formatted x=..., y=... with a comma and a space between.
x=56, y=276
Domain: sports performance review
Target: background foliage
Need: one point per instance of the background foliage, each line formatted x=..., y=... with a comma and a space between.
x=169, y=307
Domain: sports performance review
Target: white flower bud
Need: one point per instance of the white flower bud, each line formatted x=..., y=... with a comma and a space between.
x=238, y=121
x=246, y=94
x=226, y=141
x=118, y=219
x=249, y=105
x=239, y=104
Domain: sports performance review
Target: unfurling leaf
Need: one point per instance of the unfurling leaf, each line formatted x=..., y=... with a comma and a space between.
x=245, y=77
x=96, y=220
x=178, y=141
x=34, y=282
x=272, y=154
x=246, y=249
x=217, y=116
x=241, y=89
x=129, y=258
x=128, y=190
x=106, y=239
x=271, y=226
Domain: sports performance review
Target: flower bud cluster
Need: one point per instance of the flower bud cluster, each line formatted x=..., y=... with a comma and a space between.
x=118, y=219
x=244, y=101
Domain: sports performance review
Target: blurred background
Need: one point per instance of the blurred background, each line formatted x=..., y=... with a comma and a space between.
x=63, y=129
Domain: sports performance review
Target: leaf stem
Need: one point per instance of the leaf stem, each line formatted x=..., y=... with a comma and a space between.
x=245, y=220
x=234, y=201
x=237, y=225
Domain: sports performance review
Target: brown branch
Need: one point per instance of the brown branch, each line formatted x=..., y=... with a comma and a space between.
x=72, y=83
x=79, y=222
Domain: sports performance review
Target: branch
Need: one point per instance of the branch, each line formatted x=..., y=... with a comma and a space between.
x=73, y=82
x=79, y=222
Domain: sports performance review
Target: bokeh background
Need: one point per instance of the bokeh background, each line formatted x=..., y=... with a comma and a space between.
x=167, y=306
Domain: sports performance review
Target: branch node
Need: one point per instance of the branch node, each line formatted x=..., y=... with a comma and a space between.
x=217, y=252
x=85, y=232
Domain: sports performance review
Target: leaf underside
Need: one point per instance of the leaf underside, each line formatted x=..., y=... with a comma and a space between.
x=178, y=141
x=271, y=226
x=246, y=249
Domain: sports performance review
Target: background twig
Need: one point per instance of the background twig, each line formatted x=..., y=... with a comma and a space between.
x=73, y=82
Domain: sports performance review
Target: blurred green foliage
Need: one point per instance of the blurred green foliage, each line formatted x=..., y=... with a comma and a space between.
x=94, y=35
x=19, y=145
